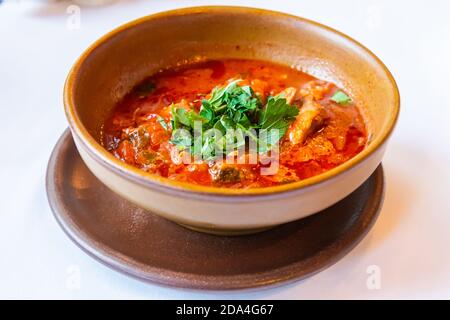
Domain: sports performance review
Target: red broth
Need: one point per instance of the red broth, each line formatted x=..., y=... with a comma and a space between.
x=324, y=134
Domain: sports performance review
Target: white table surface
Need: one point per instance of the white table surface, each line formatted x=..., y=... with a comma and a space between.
x=410, y=242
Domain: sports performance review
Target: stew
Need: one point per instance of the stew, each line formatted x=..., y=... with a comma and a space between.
x=280, y=118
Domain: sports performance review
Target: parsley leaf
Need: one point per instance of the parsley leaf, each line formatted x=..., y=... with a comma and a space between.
x=341, y=98
x=277, y=114
x=232, y=100
x=162, y=123
x=229, y=108
x=181, y=138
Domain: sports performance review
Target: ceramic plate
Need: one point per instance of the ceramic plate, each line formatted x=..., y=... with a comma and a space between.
x=142, y=244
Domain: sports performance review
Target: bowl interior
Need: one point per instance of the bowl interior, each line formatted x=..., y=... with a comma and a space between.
x=118, y=61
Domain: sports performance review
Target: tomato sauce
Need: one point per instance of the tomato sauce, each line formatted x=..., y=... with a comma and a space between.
x=324, y=134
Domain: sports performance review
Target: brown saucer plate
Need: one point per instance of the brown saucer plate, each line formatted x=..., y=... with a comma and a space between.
x=148, y=247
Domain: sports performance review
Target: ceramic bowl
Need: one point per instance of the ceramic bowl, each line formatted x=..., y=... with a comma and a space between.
x=109, y=69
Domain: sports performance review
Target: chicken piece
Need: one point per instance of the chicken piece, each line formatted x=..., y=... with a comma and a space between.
x=308, y=120
x=288, y=94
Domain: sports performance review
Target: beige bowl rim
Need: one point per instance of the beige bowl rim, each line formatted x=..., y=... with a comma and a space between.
x=154, y=181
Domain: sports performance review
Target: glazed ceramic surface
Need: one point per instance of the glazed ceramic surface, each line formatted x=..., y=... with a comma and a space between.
x=124, y=57
x=142, y=244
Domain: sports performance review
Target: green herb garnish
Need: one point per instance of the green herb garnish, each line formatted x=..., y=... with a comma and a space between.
x=162, y=123
x=341, y=98
x=231, y=108
x=277, y=114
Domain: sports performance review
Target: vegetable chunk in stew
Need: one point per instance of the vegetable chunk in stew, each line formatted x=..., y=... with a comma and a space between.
x=235, y=124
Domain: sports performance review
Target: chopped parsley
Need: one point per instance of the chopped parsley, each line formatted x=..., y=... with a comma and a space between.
x=341, y=98
x=162, y=123
x=230, y=109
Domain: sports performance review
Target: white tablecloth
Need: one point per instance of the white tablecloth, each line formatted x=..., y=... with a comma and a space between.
x=409, y=245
